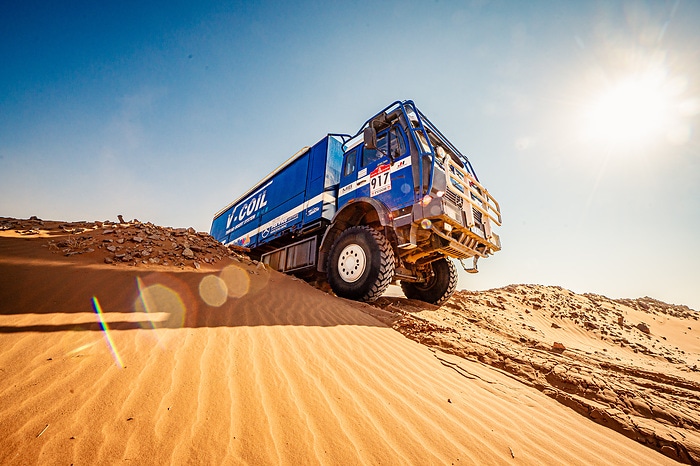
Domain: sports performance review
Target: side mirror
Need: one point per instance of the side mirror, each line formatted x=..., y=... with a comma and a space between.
x=370, y=137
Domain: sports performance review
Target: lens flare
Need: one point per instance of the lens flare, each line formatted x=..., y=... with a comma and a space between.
x=161, y=304
x=237, y=281
x=426, y=224
x=213, y=291
x=106, y=331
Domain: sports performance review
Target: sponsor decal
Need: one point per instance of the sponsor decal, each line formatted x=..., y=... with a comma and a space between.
x=247, y=211
x=379, y=186
x=243, y=241
x=281, y=222
x=380, y=180
x=404, y=162
x=346, y=189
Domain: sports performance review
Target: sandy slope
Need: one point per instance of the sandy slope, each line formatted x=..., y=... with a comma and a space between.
x=262, y=370
x=631, y=365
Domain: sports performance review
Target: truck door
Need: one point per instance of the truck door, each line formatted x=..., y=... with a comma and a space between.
x=372, y=173
x=347, y=189
x=387, y=170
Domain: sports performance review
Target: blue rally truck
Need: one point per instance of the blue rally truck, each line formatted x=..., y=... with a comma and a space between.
x=393, y=202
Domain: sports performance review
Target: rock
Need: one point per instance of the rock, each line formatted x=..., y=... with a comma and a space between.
x=558, y=347
x=188, y=253
x=111, y=248
x=644, y=328
x=590, y=325
x=669, y=451
x=196, y=264
x=109, y=260
x=555, y=325
x=137, y=239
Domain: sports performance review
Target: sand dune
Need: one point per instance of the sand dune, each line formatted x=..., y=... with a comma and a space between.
x=109, y=361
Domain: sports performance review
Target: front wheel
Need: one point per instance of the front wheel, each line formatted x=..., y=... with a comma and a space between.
x=361, y=264
x=438, y=288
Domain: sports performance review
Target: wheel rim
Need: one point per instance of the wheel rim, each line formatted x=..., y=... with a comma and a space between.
x=352, y=263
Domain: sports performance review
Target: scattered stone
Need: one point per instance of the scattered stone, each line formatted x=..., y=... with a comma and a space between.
x=188, y=253
x=137, y=239
x=590, y=325
x=643, y=327
x=558, y=347
x=109, y=260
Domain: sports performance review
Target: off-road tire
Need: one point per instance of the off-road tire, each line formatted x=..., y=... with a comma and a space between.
x=366, y=267
x=438, y=288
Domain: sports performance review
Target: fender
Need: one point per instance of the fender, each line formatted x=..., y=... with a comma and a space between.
x=358, y=211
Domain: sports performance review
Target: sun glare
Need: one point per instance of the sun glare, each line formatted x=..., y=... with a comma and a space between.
x=634, y=111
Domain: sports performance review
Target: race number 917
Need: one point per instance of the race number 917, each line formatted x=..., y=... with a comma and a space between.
x=380, y=180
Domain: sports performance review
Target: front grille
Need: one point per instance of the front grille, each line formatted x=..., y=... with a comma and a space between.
x=477, y=216
x=454, y=198
x=455, y=252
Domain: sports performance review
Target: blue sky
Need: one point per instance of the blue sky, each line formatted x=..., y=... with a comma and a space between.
x=581, y=118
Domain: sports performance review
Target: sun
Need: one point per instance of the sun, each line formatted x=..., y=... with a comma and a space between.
x=631, y=112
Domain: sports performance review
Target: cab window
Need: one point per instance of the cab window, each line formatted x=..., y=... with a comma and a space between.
x=397, y=144
x=370, y=156
x=350, y=163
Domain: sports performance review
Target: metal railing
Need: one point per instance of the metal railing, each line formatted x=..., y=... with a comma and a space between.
x=472, y=189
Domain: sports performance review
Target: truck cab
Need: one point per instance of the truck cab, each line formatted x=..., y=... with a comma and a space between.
x=402, y=177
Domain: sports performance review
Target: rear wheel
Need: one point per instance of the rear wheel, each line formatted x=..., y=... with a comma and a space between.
x=361, y=264
x=438, y=288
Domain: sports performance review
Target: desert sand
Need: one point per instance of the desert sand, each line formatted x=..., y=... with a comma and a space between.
x=128, y=343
